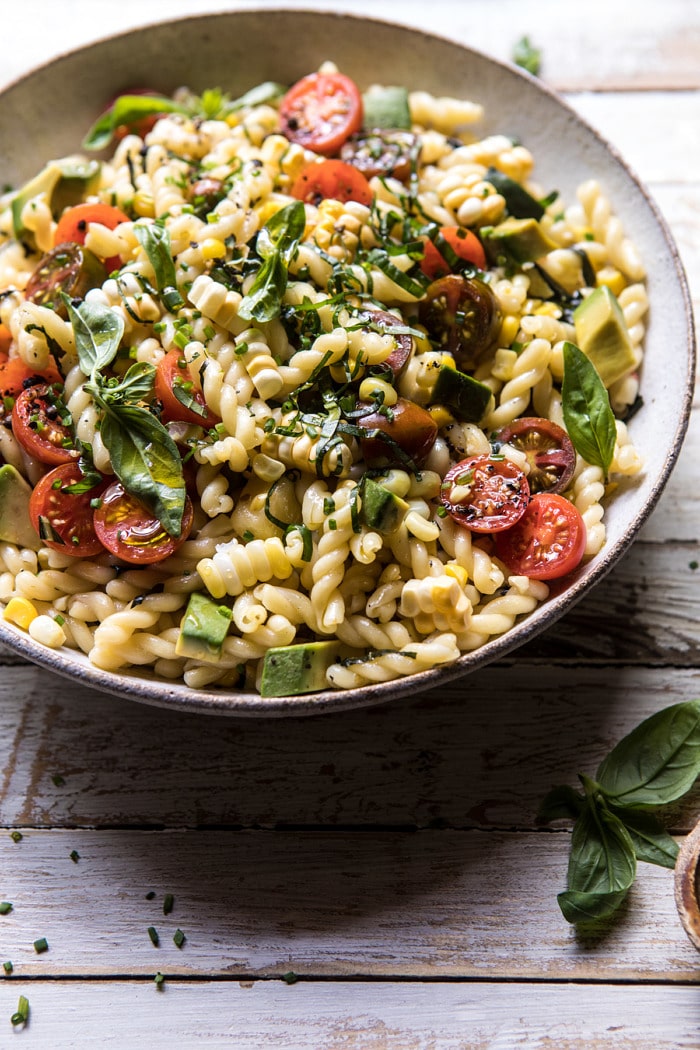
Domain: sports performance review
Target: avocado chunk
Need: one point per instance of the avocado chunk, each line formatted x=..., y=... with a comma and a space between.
x=382, y=509
x=520, y=203
x=602, y=334
x=15, y=524
x=519, y=240
x=386, y=107
x=466, y=398
x=203, y=629
x=290, y=670
x=64, y=182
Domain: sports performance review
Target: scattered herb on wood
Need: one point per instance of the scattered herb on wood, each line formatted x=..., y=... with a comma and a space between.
x=527, y=56
x=179, y=938
x=168, y=902
x=8, y=967
x=153, y=934
x=655, y=764
x=58, y=780
x=159, y=980
x=150, y=895
x=5, y=907
x=74, y=856
x=290, y=977
x=41, y=945
x=21, y=1015
x=16, y=836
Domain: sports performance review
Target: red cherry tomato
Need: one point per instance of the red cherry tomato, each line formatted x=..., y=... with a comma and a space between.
x=548, y=542
x=40, y=422
x=465, y=245
x=66, y=516
x=172, y=379
x=548, y=448
x=14, y=374
x=485, y=494
x=321, y=111
x=130, y=530
x=73, y=224
x=332, y=179
x=405, y=432
x=5, y=339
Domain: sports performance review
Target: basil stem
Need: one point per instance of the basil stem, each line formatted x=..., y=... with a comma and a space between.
x=155, y=241
x=276, y=244
x=586, y=408
x=98, y=331
x=126, y=111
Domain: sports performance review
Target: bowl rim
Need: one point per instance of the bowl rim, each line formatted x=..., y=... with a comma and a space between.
x=685, y=885
x=147, y=688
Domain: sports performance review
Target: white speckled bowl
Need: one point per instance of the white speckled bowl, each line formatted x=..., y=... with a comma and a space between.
x=46, y=113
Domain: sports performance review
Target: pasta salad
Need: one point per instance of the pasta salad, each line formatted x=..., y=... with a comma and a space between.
x=307, y=389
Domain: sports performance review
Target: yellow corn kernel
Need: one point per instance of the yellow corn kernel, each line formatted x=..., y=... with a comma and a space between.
x=421, y=339
x=441, y=416
x=233, y=120
x=448, y=361
x=143, y=204
x=20, y=611
x=458, y=572
x=372, y=386
x=509, y=331
x=267, y=209
x=546, y=309
x=611, y=277
x=213, y=248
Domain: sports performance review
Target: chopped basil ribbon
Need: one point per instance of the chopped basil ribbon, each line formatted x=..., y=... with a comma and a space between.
x=187, y=400
x=155, y=241
x=276, y=244
x=126, y=111
x=586, y=408
x=379, y=258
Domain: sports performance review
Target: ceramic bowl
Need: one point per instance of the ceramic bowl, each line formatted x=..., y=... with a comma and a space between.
x=46, y=113
x=687, y=885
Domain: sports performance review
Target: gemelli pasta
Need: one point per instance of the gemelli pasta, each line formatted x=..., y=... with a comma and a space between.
x=308, y=389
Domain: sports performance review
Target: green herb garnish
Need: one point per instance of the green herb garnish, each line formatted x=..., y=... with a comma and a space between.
x=586, y=408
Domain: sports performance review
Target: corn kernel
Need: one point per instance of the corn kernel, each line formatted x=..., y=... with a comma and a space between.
x=509, y=331
x=267, y=209
x=611, y=277
x=421, y=339
x=48, y=631
x=458, y=572
x=143, y=205
x=371, y=387
x=546, y=309
x=20, y=611
x=213, y=248
x=441, y=416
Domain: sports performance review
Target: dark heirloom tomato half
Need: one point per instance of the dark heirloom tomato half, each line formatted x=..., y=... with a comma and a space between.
x=129, y=530
x=73, y=226
x=205, y=193
x=41, y=424
x=176, y=391
x=63, y=518
x=394, y=434
x=69, y=268
x=382, y=152
x=462, y=316
x=14, y=375
x=321, y=111
x=465, y=245
x=485, y=494
x=334, y=180
x=385, y=321
x=548, y=448
x=549, y=541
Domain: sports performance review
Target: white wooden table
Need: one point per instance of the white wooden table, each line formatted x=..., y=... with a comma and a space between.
x=389, y=857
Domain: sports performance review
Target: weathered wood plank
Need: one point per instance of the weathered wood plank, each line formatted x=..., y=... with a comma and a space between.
x=480, y=753
x=429, y=904
x=355, y=1016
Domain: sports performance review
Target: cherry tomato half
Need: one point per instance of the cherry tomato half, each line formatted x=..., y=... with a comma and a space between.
x=547, y=542
x=463, y=316
x=334, y=180
x=40, y=422
x=465, y=245
x=321, y=111
x=69, y=268
x=73, y=226
x=67, y=516
x=548, y=448
x=130, y=530
x=382, y=152
x=385, y=321
x=485, y=494
x=404, y=430
x=5, y=339
x=181, y=399
x=14, y=374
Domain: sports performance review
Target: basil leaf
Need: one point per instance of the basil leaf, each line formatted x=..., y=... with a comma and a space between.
x=657, y=762
x=98, y=332
x=652, y=843
x=559, y=804
x=127, y=110
x=136, y=385
x=602, y=865
x=146, y=461
x=155, y=241
x=267, y=92
x=276, y=243
x=586, y=407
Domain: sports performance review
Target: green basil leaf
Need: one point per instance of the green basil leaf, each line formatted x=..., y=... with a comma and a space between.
x=602, y=865
x=652, y=843
x=155, y=241
x=127, y=110
x=261, y=94
x=276, y=243
x=98, y=332
x=135, y=386
x=146, y=461
x=561, y=803
x=586, y=407
x=282, y=231
x=657, y=762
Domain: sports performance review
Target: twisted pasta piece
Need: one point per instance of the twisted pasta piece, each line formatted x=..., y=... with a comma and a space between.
x=236, y=566
x=410, y=659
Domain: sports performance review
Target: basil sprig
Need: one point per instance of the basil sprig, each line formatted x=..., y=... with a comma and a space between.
x=143, y=455
x=126, y=111
x=655, y=764
x=586, y=408
x=276, y=244
x=155, y=241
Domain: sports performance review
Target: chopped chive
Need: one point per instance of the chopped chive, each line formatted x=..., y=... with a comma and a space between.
x=5, y=907
x=692, y=565
x=8, y=967
x=16, y=836
x=150, y=895
x=58, y=780
x=159, y=979
x=74, y=856
x=290, y=977
x=168, y=902
x=42, y=945
x=20, y=1017
x=179, y=938
x=60, y=620
x=153, y=934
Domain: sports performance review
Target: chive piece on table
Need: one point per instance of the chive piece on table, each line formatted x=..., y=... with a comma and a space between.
x=8, y=967
x=74, y=856
x=179, y=938
x=5, y=907
x=20, y=1017
x=16, y=836
x=153, y=934
x=168, y=902
x=41, y=945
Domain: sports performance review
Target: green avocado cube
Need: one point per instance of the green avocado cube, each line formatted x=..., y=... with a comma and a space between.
x=602, y=334
x=382, y=509
x=466, y=397
x=15, y=524
x=290, y=670
x=203, y=629
x=519, y=240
